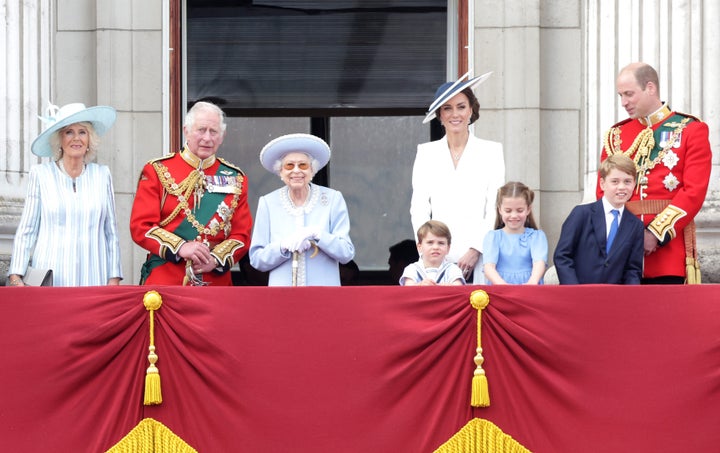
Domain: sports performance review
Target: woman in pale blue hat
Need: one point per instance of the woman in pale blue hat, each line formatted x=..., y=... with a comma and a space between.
x=302, y=230
x=455, y=179
x=68, y=223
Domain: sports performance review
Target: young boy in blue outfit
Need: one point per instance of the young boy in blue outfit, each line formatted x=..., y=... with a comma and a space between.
x=602, y=242
x=432, y=268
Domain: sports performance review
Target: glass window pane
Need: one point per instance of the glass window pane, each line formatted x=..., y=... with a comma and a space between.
x=316, y=55
x=243, y=142
x=372, y=167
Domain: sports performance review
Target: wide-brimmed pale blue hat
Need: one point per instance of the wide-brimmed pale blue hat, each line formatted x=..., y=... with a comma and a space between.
x=101, y=117
x=448, y=90
x=311, y=145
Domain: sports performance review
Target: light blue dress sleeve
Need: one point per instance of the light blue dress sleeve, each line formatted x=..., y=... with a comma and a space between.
x=265, y=252
x=491, y=247
x=539, y=247
x=28, y=228
x=114, y=263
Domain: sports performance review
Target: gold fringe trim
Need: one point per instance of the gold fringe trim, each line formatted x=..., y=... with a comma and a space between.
x=153, y=393
x=151, y=436
x=692, y=270
x=692, y=265
x=480, y=396
x=481, y=436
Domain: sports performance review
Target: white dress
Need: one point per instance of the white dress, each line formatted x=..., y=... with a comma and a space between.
x=71, y=231
x=463, y=197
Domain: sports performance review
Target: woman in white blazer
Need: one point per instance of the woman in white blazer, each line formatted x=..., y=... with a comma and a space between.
x=455, y=179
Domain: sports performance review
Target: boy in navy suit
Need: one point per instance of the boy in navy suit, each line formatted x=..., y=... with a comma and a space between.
x=602, y=242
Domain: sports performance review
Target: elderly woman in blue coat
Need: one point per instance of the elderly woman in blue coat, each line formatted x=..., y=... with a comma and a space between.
x=302, y=230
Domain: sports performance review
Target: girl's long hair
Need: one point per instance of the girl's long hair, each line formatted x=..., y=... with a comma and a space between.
x=515, y=189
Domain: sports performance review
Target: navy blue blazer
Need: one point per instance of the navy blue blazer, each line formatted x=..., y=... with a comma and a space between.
x=580, y=255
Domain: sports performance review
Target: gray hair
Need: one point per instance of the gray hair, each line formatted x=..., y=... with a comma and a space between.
x=314, y=164
x=206, y=107
x=93, y=142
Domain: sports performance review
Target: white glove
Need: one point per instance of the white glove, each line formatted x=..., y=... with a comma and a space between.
x=287, y=243
x=295, y=243
x=300, y=240
x=311, y=233
x=301, y=246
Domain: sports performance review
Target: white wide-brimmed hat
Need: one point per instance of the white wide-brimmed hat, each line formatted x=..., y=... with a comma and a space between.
x=311, y=145
x=101, y=117
x=448, y=90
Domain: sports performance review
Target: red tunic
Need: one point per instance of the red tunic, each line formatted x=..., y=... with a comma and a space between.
x=164, y=216
x=677, y=170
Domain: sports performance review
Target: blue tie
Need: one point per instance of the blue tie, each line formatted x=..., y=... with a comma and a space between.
x=613, y=230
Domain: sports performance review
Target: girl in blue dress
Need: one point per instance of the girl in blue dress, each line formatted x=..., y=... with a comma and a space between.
x=515, y=252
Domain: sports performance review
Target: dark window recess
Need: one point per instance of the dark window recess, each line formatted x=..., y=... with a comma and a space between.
x=316, y=58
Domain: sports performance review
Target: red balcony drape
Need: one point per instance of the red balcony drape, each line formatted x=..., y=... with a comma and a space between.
x=363, y=369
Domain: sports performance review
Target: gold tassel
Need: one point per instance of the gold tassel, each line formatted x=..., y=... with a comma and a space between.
x=689, y=271
x=153, y=392
x=480, y=393
x=480, y=396
x=692, y=270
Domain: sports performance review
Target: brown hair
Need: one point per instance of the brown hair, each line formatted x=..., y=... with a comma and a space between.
x=619, y=161
x=474, y=105
x=644, y=74
x=435, y=227
x=514, y=189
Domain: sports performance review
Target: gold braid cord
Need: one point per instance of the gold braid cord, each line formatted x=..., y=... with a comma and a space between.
x=184, y=190
x=639, y=150
x=151, y=436
x=692, y=266
x=480, y=396
x=153, y=393
x=481, y=436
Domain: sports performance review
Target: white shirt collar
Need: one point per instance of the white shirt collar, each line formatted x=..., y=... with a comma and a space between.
x=607, y=207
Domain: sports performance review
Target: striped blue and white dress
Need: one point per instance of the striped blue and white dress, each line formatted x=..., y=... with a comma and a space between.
x=71, y=230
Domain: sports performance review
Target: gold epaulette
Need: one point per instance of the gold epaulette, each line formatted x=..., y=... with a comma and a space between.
x=158, y=159
x=695, y=118
x=620, y=123
x=231, y=165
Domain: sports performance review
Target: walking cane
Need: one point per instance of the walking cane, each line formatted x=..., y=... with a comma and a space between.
x=296, y=256
x=296, y=264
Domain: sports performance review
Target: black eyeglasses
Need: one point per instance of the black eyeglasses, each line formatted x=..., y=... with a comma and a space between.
x=292, y=165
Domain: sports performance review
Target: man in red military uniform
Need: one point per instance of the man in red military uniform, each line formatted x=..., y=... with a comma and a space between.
x=672, y=155
x=190, y=210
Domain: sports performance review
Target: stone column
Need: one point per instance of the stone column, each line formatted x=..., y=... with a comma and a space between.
x=26, y=82
x=533, y=102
